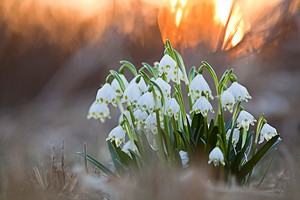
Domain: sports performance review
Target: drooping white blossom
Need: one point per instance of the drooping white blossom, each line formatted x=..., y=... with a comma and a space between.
x=176, y=75
x=166, y=65
x=98, y=111
x=245, y=119
x=150, y=123
x=129, y=145
x=202, y=106
x=131, y=94
x=184, y=158
x=141, y=84
x=116, y=86
x=140, y=117
x=227, y=100
x=170, y=69
x=172, y=108
x=146, y=102
x=106, y=94
x=126, y=114
x=199, y=85
x=216, y=156
x=165, y=88
x=235, y=136
x=239, y=92
x=117, y=134
x=267, y=132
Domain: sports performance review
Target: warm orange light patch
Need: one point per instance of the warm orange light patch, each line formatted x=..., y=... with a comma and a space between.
x=222, y=10
x=218, y=23
x=230, y=17
x=177, y=7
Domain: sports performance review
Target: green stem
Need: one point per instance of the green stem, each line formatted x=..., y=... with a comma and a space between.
x=159, y=137
x=260, y=123
x=182, y=109
x=168, y=138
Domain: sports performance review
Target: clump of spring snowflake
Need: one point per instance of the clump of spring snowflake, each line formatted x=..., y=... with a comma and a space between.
x=153, y=104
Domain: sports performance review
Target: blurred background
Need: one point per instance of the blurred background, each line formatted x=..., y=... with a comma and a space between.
x=54, y=55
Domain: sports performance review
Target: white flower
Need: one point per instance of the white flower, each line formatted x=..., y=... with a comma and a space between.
x=245, y=119
x=165, y=88
x=267, y=132
x=117, y=134
x=239, y=92
x=202, y=105
x=126, y=114
x=176, y=75
x=235, y=136
x=98, y=111
x=172, y=108
x=216, y=156
x=132, y=93
x=166, y=65
x=128, y=145
x=150, y=123
x=116, y=86
x=227, y=100
x=106, y=94
x=199, y=85
x=140, y=117
x=170, y=69
x=141, y=84
x=184, y=158
x=146, y=102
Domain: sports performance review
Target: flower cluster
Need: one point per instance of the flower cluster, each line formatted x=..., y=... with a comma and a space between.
x=152, y=106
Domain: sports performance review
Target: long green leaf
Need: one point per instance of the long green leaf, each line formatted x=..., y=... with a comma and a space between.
x=115, y=157
x=97, y=164
x=257, y=157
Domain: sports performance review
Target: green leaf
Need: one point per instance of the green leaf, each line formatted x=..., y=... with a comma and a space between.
x=237, y=159
x=184, y=138
x=123, y=157
x=115, y=157
x=197, y=121
x=258, y=156
x=129, y=65
x=97, y=164
x=213, y=137
x=192, y=73
x=228, y=125
x=150, y=69
x=118, y=78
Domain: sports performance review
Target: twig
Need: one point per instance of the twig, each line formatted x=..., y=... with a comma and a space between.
x=85, y=159
x=63, y=160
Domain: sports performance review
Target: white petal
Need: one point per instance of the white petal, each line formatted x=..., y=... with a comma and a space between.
x=202, y=105
x=117, y=134
x=239, y=92
x=245, y=119
x=216, y=156
x=199, y=85
x=184, y=158
x=235, y=136
x=146, y=102
x=132, y=93
x=98, y=111
x=267, y=132
x=116, y=86
x=167, y=62
x=128, y=145
x=227, y=100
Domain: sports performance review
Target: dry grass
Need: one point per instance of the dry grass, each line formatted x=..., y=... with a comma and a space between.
x=60, y=181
